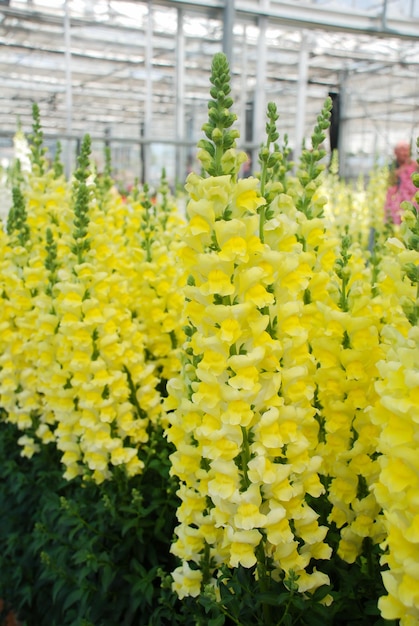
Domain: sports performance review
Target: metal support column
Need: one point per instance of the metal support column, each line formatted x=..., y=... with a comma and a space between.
x=228, y=24
x=343, y=133
x=69, y=90
x=180, y=167
x=148, y=105
x=301, y=95
x=259, y=109
x=243, y=88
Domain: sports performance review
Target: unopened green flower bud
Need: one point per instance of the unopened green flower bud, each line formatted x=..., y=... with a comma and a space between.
x=414, y=242
x=412, y=272
x=213, y=114
x=276, y=187
x=217, y=136
x=208, y=128
x=206, y=145
x=264, y=153
x=273, y=159
x=205, y=158
x=229, y=161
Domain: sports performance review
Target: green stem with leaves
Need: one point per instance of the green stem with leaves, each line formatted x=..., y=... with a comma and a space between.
x=269, y=161
x=81, y=207
x=263, y=580
x=310, y=167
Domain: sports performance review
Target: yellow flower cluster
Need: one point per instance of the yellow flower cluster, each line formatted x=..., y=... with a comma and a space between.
x=346, y=351
x=396, y=413
x=74, y=366
x=291, y=354
x=243, y=422
x=332, y=327
x=279, y=376
x=153, y=234
x=359, y=206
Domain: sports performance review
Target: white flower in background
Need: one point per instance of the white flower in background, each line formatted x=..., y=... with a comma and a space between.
x=22, y=151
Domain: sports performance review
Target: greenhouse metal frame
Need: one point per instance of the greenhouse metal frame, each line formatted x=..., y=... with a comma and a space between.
x=134, y=74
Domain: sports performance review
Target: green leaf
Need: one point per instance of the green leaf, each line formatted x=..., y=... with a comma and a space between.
x=72, y=598
x=217, y=621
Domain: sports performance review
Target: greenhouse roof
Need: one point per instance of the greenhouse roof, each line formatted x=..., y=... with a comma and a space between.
x=137, y=72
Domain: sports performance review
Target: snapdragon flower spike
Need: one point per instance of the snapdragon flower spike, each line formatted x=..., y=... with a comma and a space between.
x=346, y=353
x=17, y=222
x=18, y=397
x=397, y=487
x=282, y=167
x=242, y=423
x=409, y=232
x=310, y=166
x=216, y=153
x=103, y=394
x=298, y=249
x=153, y=235
x=396, y=413
x=35, y=324
x=57, y=164
x=269, y=159
x=26, y=271
x=36, y=141
x=81, y=202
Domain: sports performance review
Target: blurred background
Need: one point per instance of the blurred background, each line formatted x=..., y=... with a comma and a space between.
x=134, y=74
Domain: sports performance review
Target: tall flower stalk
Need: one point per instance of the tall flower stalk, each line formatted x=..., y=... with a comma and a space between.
x=396, y=412
x=239, y=416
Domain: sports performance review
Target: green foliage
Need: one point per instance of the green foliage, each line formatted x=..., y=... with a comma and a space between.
x=24, y=488
x=84, y=554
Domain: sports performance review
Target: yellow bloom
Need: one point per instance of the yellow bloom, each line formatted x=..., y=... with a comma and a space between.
x=278, y=530
x=349, y=545
x=238, y=412
x=246, y=378
x=120, y=456
x=212, y=362
x=189, y=543
x=218, y=283
x=206, y=395
x=186, y=581
x=259, y=296
x=230, y=331
x=397, y=474
x=29, y=446
x=248, y=515
x=224, y=480
x=242, y=546
x=246, y=196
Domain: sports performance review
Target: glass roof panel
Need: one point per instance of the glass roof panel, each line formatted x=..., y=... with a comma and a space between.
x=121, y=72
